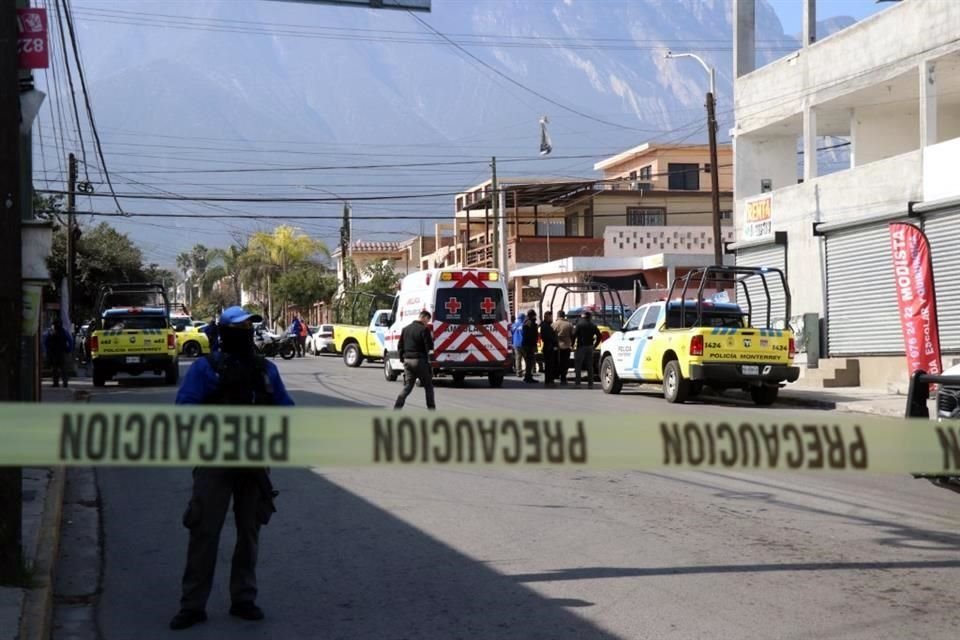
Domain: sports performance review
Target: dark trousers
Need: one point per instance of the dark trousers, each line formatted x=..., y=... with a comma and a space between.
x=563, y=364
x=416, y=369
x=301, y=345
x=212, y=491
x=529, y=362
x=583, y=360
x=58, y=368
x=550, y=364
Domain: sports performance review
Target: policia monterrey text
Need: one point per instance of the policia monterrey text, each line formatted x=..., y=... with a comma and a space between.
x=275, y=436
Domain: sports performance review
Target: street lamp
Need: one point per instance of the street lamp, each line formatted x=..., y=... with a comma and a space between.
x=714, y=169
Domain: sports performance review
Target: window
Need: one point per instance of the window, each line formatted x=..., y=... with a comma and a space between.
x=707, y=167
x=646, y=217
x=588, y=222
x=460, y=203
x=646, y=172
x=635, y=320
x=726, y=215
x=571, y=224
x=683, y=176
x=633, y=176
x=134, y=321
x=469, y=306
x=650, y=320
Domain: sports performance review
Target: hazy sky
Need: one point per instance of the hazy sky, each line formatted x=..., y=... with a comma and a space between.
x=791, y=11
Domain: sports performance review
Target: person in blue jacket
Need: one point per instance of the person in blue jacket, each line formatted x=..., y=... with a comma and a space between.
x=235, y=375
x=517, y=341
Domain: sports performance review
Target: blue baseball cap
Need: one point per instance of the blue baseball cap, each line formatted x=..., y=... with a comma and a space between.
x=237, y=315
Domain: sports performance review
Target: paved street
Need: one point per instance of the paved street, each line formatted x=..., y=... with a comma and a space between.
x=440, y=554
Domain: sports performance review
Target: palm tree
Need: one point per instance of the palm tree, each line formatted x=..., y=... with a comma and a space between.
x=226, y=263
x=275, y=253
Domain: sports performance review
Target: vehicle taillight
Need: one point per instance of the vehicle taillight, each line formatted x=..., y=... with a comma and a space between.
x=793, y=348
x=604, y=335
x=94, y=343
x=171, y=341
x=696, y=346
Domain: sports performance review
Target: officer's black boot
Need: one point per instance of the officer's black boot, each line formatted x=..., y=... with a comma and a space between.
x=186, y=618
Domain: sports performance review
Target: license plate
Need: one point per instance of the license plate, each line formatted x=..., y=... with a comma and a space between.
x=751, y=370
x=136, y=360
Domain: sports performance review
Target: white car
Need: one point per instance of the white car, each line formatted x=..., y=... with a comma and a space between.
x=320, y=340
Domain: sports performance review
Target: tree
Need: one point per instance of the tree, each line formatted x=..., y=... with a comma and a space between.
x=380, y=278
x=305, y=285
x=103, y=255
x=275, y=253
x=227, y=263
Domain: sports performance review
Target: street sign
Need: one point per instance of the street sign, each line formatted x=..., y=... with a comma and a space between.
x=32, y=39
x=407, y=5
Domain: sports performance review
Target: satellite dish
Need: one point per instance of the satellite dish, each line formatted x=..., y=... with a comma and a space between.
x=546, y=146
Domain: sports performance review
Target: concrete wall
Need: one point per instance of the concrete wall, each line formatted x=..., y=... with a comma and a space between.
x=887, y=44
x=878, y=134
x=940, y=164
x=774, y=158
x=619, y=241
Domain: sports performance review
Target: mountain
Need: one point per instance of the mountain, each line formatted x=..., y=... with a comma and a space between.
x=270, y=85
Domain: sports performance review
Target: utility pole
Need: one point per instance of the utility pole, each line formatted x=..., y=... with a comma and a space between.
x=497, y=212
x=11, y=292
x=71, y=233
x=714, y=169
x=714, y=174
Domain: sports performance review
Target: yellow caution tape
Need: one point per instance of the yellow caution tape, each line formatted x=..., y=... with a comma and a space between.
x=163, y=435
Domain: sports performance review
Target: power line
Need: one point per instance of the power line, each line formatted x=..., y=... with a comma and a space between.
x=86, y=99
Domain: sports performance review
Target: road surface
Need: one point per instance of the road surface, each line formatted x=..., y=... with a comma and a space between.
x=552, y=554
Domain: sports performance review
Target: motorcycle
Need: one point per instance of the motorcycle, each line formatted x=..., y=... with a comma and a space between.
x=270, y=344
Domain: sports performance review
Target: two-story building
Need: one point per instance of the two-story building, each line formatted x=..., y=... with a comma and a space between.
x=884, y=92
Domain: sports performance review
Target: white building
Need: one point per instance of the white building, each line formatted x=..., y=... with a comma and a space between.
x=886, y=93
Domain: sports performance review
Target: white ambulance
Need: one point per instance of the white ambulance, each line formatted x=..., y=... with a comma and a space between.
x=471, y=323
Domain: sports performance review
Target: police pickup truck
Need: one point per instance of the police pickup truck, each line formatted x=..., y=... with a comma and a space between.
x=687, y=344
x=133, y=339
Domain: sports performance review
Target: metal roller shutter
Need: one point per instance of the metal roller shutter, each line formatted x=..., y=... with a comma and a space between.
x=774, y=256
x=862, y=313
x=943, y=232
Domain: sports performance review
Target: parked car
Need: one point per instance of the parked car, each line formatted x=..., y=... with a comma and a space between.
x=948, y=398
x=320, y=340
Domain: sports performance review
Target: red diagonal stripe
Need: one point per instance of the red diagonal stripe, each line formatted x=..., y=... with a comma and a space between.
x=450, y=337
x=494, y=341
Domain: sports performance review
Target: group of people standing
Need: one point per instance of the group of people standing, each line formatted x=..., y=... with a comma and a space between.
x=559, y=338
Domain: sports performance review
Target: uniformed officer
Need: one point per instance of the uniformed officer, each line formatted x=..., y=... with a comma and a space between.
x=235, y=376
x=415, y=347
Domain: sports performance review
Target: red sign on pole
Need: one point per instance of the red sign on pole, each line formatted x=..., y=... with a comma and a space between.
x=32, y=39
x=913, y=274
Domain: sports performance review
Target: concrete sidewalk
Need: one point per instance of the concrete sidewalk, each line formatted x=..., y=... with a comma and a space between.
x=25, y=614
x=850, y=400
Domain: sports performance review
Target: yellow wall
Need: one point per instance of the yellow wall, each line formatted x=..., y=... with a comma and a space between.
x=660, y=159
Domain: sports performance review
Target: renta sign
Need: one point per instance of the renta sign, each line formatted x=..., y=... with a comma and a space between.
x=758, y=218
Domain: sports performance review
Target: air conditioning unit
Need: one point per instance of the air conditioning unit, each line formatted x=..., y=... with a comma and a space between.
x=642, y=187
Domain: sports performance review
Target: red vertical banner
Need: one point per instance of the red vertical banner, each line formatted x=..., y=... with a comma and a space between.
x=916, y=297
x=32, y=50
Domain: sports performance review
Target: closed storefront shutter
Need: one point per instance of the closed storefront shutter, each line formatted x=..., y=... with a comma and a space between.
x=862, y=313
x=773, y=256
x=943, y=232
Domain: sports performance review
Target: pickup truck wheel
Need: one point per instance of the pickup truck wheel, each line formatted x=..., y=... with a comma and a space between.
x=676, y=388
x=388, y=372
x=352, y=356
x=192, y=349
x=764, y=396
x=495, y=379
x=609, y=379
x=172, y=375
x=99, y=378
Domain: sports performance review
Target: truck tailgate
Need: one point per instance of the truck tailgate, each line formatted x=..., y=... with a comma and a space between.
x=139, y=341
x=732, y=344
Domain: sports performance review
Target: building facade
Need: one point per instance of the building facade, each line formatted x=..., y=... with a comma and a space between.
x=833, y=142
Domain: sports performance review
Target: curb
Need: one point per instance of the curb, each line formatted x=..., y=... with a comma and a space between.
x=37, y=613
x=36, y=616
